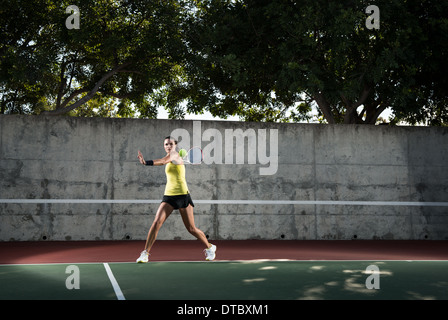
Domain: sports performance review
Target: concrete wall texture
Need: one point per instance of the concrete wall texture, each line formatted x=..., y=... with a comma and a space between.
x=304, y=181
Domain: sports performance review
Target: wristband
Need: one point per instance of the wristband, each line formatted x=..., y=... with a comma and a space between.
x=149, y=163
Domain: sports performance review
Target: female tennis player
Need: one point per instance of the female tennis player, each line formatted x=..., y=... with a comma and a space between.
x=176, y=197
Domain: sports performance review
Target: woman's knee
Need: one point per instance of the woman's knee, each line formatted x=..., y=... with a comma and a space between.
x=157, y=223
x=192, y=229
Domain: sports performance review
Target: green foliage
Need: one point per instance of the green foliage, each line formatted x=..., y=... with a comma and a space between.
x=261, y=60
x=323, y=50
x=110, y=66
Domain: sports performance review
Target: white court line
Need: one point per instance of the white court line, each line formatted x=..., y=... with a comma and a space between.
x=114, y=282
x=243, y=202
x=224, y=261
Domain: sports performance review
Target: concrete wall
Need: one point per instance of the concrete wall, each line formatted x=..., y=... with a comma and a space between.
x=78, y=158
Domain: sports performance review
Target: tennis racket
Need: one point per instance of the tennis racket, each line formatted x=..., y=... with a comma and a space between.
x=193, y=156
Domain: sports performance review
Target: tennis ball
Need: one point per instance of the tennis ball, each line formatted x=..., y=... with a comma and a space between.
x=182, y=153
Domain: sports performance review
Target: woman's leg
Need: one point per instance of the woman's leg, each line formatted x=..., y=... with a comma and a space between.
x=162, y=214
x=188, y=219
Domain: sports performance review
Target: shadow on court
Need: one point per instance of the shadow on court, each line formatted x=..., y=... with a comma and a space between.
x=251, y=280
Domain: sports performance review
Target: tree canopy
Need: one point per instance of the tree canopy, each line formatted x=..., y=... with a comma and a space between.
x=121, y=55
x=261, y=60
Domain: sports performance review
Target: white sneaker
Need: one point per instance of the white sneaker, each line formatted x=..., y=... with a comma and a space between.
x=210, y=253
x=143, y=257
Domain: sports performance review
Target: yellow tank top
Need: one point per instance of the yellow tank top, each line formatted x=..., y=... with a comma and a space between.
x=176, y=184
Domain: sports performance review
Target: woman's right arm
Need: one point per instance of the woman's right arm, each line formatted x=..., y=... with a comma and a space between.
x=163, y=161
x=157, y=162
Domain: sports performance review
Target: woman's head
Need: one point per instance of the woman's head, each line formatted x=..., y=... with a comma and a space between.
x=169, y=143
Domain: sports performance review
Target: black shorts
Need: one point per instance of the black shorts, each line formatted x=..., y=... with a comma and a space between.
x=178, y=202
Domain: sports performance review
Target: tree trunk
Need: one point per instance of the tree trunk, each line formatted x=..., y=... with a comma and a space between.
x=325, y=107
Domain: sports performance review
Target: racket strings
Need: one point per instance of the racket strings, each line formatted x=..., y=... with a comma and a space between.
x=195, y=156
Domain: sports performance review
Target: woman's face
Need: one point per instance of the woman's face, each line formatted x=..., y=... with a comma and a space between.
x=169, y=145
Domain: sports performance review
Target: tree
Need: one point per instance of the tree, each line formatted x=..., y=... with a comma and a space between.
x=271, y=60
x=263, y=60
x=123, y=52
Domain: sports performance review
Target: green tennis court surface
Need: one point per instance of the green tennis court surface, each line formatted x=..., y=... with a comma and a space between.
x=230, y=280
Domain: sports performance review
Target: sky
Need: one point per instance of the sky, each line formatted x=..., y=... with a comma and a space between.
x=163, y=114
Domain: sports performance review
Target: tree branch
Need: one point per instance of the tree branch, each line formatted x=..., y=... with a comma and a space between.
x=132, y=71
x=351, y=115
x=64, y=108
x=324, y=106
x=364, y=95
x=62, y=85
x=71, y=97
x=115, y=95
x=372, y=119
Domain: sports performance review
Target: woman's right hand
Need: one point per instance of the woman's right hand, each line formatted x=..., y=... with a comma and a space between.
x=140, y=157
